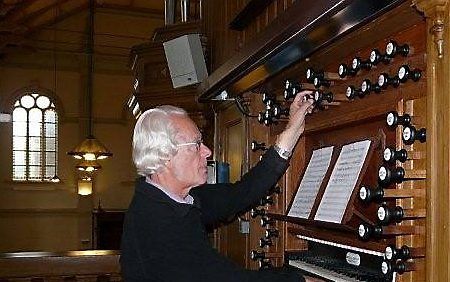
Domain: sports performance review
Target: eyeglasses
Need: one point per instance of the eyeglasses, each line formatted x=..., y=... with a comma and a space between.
x=197, y=144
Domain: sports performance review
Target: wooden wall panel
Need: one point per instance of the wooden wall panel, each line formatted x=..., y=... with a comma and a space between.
x=225, y=42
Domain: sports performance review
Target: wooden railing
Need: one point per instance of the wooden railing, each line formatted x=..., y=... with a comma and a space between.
x=86, y=266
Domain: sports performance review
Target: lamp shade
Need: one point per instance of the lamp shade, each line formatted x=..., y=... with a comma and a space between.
x=84, y=186
x=88, y=166
x=90, y=150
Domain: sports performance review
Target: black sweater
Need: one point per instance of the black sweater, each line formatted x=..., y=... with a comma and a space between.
x=166, y=241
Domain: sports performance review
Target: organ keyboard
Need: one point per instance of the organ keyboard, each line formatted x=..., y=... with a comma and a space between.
x=338, y=262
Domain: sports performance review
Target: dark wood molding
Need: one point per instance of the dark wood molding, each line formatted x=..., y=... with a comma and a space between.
x=253, y=9
x=289, y=39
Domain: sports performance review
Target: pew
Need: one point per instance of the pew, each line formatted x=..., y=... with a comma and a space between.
x=80, y=266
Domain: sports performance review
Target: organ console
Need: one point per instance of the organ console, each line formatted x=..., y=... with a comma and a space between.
x=387, y=201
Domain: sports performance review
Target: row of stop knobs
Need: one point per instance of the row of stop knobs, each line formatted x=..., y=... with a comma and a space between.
x=291, y=88
x=392, y=50
x=387, y=176
x=271, y=233
x=395, y=260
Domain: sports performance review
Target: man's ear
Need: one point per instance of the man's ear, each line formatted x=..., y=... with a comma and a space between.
x=167, y=164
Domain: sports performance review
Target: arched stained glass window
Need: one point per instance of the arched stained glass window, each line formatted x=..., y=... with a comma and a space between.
x=35, y=138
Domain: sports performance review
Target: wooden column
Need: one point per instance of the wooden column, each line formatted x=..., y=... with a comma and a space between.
x=438, y=138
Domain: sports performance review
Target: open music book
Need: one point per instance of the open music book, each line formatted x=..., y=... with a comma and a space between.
x=342, y=181
x=340, y=185
x=311, y=181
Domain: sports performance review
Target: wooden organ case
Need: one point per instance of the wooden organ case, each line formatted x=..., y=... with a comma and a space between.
x=381, y=82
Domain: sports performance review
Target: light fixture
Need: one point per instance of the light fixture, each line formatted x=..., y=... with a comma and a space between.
x=55, y=179
x=90, y=149
x=88, y=166
x=85, y=186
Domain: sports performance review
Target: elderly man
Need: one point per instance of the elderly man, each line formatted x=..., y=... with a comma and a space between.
x=164, y=236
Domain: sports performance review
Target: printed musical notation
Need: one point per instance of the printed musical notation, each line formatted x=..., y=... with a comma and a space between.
x=342, y=181
x=311, y=182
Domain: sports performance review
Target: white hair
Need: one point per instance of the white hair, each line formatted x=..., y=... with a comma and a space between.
x=154, y=139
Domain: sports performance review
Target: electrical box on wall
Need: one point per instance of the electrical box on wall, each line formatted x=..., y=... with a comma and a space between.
x=185, y=59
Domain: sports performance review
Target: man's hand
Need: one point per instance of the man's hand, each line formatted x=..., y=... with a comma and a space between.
x=296, y=125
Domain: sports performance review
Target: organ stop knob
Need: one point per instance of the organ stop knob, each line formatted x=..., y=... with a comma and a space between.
x=392, y=49
x=384, y=81
x=390, y=155
x=376, y=57
x=387, y=176
x=358, y=64
x=255, y=146
x=410, y=134
x=393, y=119
x=344, y=70
x=404, y=73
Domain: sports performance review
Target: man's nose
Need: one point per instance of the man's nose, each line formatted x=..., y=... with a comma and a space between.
x=205, y=151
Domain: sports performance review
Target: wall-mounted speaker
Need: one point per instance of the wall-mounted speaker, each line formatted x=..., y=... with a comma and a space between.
x=185, y=59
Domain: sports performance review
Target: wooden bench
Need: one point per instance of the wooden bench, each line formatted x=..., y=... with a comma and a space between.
x=85, y=266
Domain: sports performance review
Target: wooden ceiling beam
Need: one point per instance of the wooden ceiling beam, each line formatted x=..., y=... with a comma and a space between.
x=31, y=16
x=57, y=19
x=130, y=10
x=20, y=38
x=8, y=12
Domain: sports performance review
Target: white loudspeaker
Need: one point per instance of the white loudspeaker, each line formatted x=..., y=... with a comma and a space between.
x=185, y=59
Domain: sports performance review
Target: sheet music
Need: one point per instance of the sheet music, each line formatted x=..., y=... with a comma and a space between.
x=342, y=181
x=310, y=183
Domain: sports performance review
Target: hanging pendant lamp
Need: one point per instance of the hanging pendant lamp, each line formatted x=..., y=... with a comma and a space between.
x=88, y=166
x=90, y=149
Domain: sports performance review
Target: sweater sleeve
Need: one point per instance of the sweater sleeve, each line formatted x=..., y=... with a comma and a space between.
x=222, y=201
